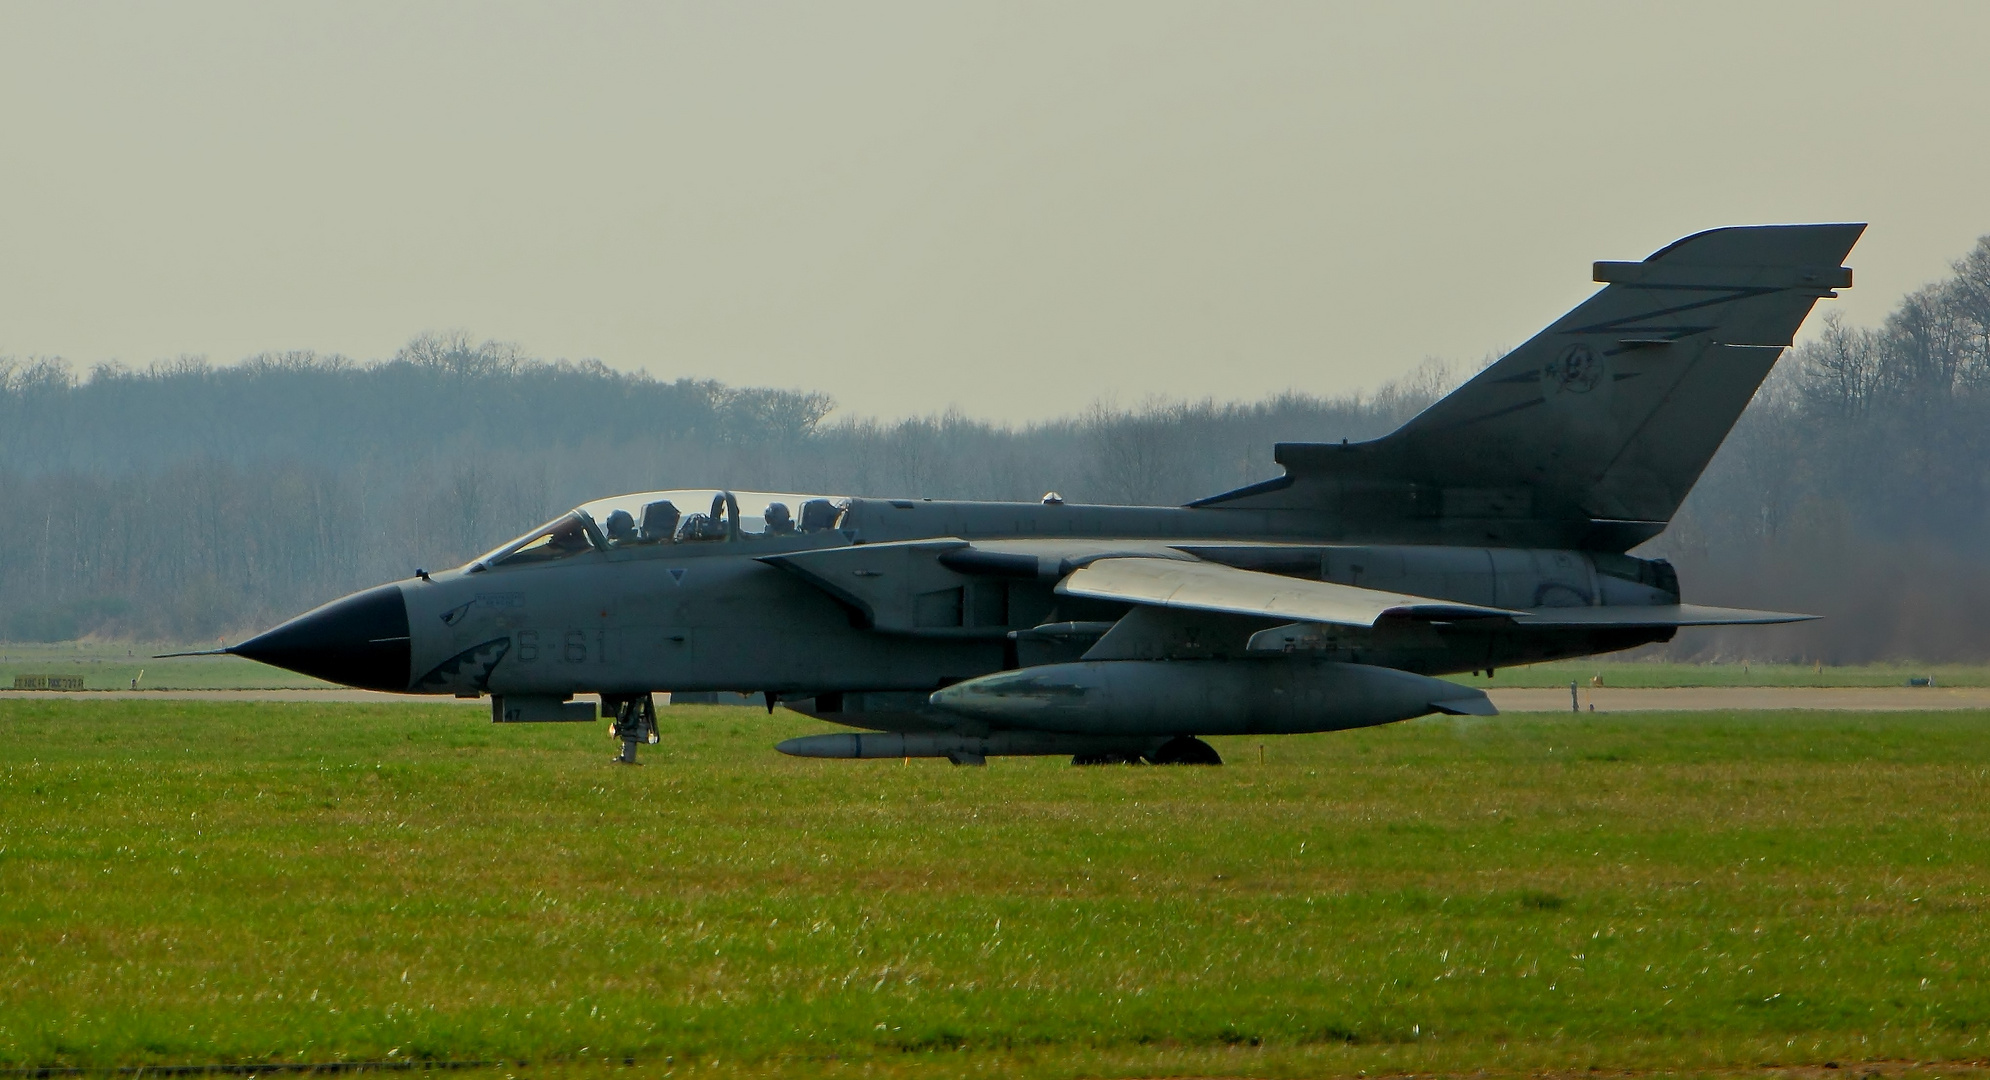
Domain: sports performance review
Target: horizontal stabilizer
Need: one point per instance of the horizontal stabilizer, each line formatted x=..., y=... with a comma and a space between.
x=1656, y=615
x=1205, y=586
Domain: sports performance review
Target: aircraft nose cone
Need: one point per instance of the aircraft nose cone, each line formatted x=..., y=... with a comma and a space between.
x=361, y=640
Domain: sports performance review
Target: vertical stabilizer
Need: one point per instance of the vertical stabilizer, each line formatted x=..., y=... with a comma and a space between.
x=1593, y=431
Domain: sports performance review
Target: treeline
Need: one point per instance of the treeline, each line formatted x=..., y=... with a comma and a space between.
x=191, y=501
x=188, y=501
x=1857, y=486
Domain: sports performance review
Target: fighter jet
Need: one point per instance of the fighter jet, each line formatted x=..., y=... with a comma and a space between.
x=1493, y=529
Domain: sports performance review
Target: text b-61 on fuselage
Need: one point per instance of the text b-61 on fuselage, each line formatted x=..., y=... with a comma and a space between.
x=561, y=646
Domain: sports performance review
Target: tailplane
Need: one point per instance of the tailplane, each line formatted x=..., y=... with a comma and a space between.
x=1592, y=432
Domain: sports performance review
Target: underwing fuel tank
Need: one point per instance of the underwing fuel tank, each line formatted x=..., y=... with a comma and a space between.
x=1278, y=695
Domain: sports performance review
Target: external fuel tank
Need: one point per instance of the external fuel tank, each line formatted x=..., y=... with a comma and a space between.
x=1274, y=695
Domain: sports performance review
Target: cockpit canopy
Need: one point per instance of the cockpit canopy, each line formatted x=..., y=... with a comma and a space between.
x=686, y=516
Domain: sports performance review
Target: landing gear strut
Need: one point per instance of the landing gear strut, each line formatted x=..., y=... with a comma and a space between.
x=635, y=724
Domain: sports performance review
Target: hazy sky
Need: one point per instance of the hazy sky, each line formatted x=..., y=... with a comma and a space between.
x=1012, y=208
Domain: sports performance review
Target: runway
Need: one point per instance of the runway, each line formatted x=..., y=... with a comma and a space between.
x=1749, y=698
x=328, y=695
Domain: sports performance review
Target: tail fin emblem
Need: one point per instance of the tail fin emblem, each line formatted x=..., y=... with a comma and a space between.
x=1577, y=372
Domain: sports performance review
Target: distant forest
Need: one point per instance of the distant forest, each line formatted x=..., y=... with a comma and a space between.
x=189, y=501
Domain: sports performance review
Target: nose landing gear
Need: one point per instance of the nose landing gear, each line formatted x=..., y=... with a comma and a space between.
x=635, y=724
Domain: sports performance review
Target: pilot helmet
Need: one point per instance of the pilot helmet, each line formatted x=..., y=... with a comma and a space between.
x=621, y=526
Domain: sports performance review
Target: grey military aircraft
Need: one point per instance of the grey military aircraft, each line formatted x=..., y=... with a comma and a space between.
x=1492, y=529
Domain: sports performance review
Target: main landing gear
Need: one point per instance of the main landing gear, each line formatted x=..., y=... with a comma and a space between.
x=635, y=724
x=1180, y=750
x=1185, y=750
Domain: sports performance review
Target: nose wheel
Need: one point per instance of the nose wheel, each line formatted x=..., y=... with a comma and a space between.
x=635, y=724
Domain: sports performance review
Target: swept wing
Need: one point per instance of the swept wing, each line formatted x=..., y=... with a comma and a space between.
x=1207, y=586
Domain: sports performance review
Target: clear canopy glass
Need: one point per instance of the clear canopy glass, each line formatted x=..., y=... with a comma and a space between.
x=683, y=516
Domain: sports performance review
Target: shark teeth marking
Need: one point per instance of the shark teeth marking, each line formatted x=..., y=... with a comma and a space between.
x=467, y=671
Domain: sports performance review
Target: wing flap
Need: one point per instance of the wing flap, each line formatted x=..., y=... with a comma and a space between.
x=1206, y=586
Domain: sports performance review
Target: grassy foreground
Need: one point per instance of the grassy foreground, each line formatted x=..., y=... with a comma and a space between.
x=198, y=882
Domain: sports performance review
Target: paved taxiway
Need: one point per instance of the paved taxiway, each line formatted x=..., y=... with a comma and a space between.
x=1708, y=698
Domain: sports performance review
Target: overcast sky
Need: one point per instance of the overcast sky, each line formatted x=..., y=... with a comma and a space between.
x=1011, y=208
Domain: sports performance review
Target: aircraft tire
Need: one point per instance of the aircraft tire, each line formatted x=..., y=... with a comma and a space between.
x=1185, y=750
x=1106, y=759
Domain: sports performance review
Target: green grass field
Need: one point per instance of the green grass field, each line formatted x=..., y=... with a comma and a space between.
x=1709, y=893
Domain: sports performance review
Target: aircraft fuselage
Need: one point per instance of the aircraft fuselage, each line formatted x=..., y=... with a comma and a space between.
x=719, y=615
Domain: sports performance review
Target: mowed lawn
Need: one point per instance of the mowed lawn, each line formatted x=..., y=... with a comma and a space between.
x=191, y=882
